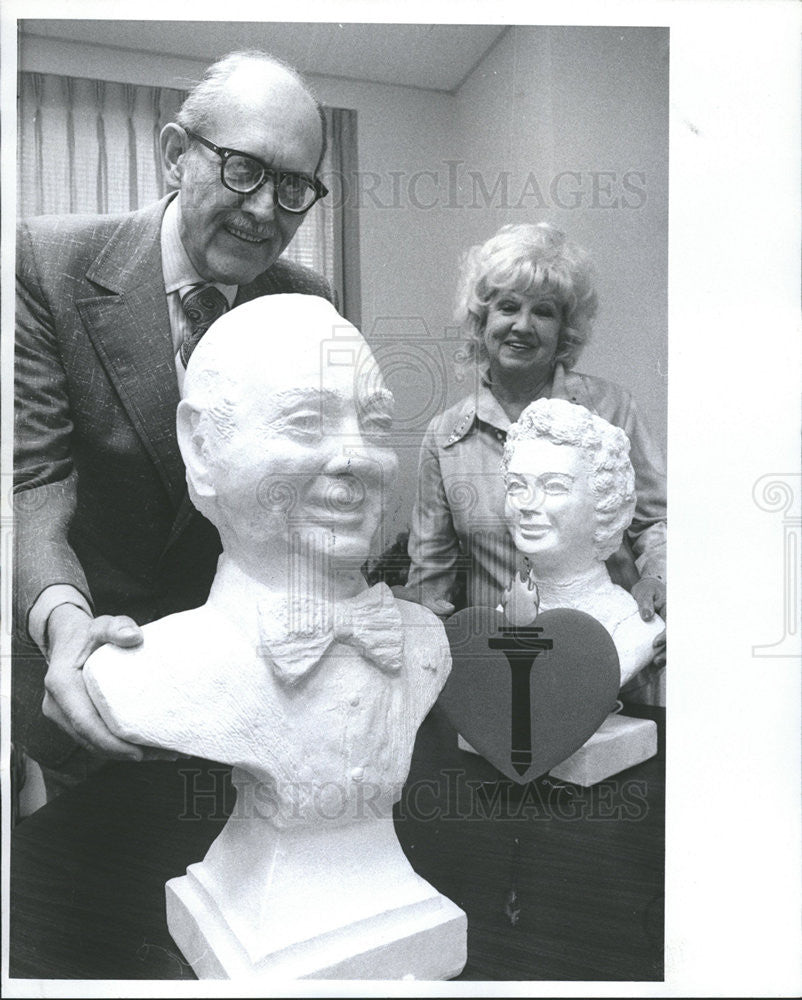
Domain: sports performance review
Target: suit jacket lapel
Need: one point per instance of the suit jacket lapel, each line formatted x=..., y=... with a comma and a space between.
x=130, y=330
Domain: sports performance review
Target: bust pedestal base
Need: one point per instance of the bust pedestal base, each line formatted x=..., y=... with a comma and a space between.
x=321, y=900
x=620, y=742
x=423, y=940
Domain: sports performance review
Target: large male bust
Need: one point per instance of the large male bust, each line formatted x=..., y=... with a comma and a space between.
x=293, y=669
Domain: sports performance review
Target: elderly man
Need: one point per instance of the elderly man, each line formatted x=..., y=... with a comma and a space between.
x=109, y=309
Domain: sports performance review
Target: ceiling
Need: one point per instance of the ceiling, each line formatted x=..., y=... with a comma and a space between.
x=432, y=56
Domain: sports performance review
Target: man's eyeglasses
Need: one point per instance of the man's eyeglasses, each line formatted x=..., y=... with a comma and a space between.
x=244, y=174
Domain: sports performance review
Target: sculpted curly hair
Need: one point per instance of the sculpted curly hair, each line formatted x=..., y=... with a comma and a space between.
x=606, y=449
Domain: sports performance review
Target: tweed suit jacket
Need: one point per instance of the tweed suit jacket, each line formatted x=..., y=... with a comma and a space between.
x=100, y=491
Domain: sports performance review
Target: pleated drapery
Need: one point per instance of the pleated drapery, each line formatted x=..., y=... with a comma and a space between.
x=89, y=145
x=69, y=87
x=37, y=84
x=129, y=92
x=155, y=108
x=342, y=181
x=102, y=153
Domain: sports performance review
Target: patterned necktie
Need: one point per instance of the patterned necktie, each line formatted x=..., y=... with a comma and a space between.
x=202, y=304
x=369, y=622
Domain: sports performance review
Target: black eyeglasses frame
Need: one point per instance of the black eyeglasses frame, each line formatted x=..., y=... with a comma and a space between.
x=225, y=154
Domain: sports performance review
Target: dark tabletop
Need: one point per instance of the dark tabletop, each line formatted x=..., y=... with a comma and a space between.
x=558, y=882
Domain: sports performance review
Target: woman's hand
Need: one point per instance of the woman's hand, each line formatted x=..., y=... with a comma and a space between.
x=659, y=648
x=650, y=593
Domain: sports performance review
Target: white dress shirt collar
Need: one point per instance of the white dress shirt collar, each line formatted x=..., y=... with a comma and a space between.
x=178, y=269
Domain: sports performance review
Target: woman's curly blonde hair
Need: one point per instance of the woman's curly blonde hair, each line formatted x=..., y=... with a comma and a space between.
x=528, y=258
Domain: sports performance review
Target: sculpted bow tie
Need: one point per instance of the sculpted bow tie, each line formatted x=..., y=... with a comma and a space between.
x=370, y=622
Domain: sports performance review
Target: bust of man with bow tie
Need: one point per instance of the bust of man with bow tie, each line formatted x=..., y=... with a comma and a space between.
x=310, y=683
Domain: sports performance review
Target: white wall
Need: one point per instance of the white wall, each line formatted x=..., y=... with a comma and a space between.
x=542, y=102
x=408, y=253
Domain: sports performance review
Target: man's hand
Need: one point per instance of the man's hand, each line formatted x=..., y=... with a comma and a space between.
x=443, y=609
x=650, y=593
x=73, y=636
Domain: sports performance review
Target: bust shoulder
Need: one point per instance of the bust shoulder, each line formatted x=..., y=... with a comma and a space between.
x=173, y=652
x=425, y=642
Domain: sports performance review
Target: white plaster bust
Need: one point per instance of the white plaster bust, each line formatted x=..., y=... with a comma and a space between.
x=570, y=495
x=312, y=685
x=284, y=427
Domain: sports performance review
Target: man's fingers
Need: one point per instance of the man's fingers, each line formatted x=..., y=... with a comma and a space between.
x=74, y=637
x=68, y=704
x=120, y=630
x=93, y=733
x=52, y=711
x=443, y=609
x=79, y=718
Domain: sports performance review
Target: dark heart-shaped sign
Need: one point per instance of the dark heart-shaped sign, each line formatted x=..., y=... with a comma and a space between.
x=527, y=697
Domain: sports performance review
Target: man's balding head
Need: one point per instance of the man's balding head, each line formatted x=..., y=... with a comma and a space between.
x=254, y=68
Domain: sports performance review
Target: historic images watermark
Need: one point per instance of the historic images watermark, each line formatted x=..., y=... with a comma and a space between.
x=453, y=184
x=782, y=495
x=448, y=796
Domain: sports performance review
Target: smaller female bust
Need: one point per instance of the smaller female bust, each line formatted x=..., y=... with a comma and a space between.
x=570, y=495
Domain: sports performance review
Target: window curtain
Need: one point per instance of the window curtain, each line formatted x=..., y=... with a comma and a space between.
x=92, y=146
x=89, y=146
x=341, y=178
